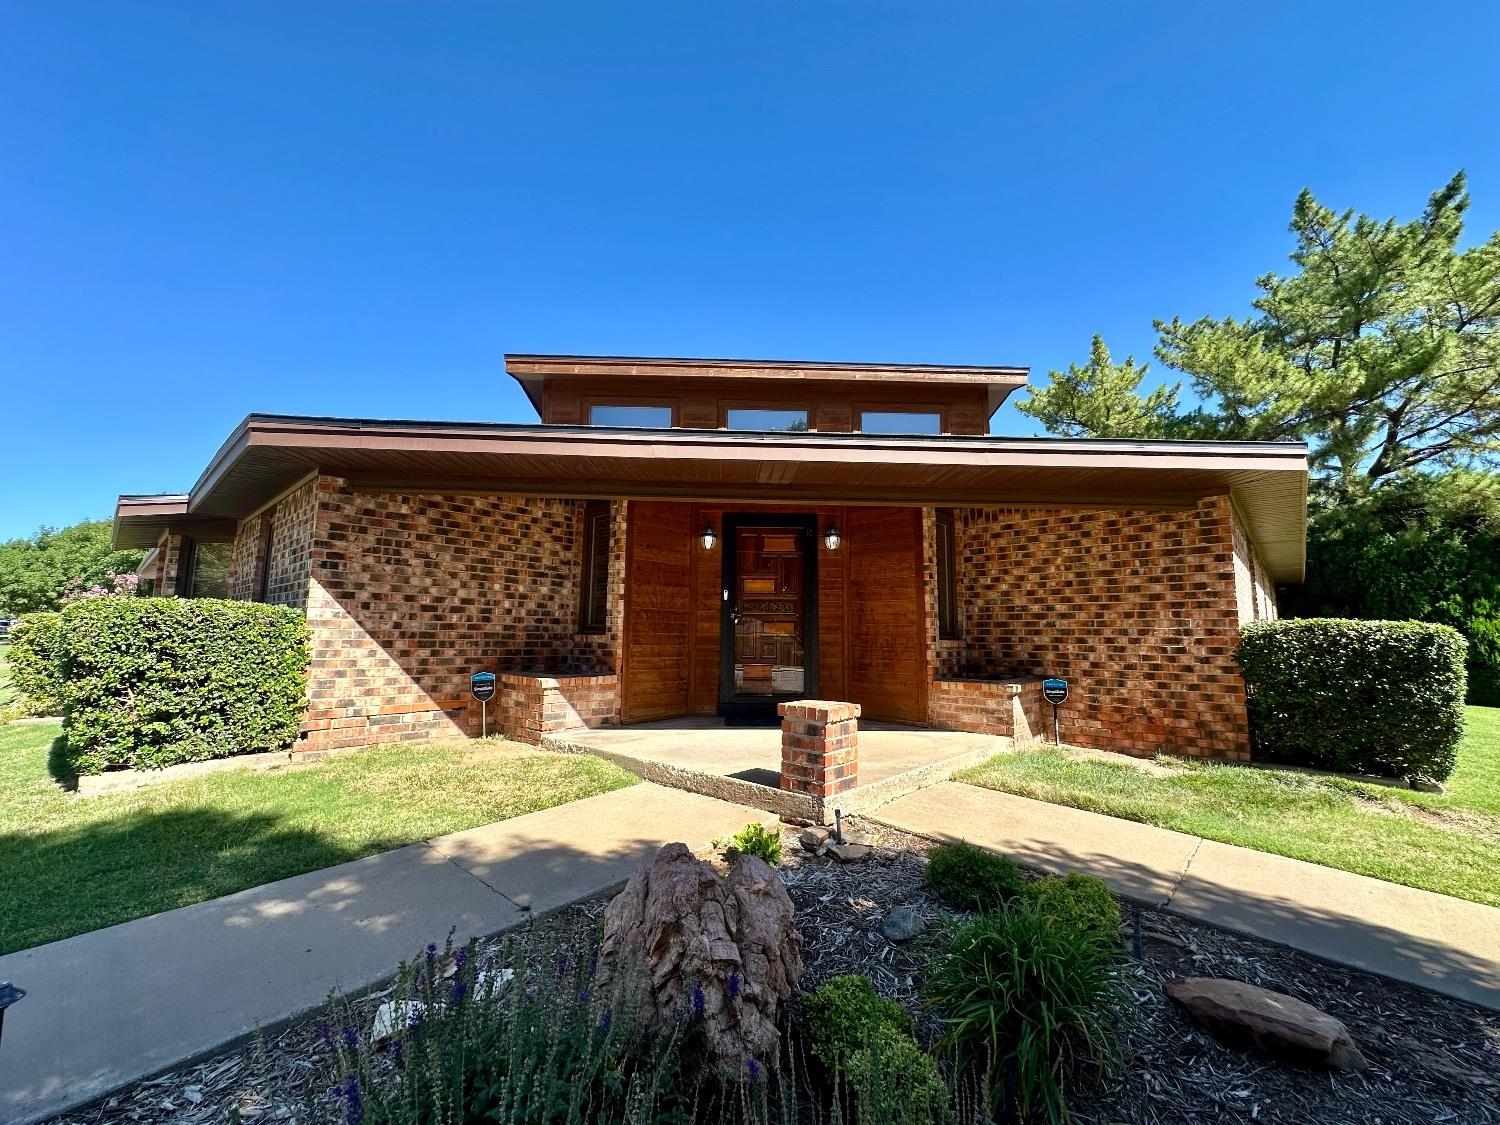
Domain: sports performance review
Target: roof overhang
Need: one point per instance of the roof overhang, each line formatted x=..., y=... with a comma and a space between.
x=532, y=370
x=141, y=521
x=267, y=454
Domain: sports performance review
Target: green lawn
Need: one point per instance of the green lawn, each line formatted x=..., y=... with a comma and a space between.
x=1448, y=843
x=71, y=864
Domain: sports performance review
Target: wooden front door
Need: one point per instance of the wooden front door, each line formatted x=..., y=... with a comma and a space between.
x=768, y=636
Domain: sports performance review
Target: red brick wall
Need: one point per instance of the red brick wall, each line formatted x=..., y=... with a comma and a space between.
x=408, y=595
x=292, y=520
x=1137, y=610
x=1013, y=709
x=1255, y=593
x=528, y=708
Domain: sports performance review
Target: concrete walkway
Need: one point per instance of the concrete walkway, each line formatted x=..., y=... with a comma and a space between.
x=107, y=1008
x=1445, y=944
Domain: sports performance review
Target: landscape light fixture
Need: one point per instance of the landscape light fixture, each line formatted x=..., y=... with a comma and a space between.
x=709, y=537
x=831, y=538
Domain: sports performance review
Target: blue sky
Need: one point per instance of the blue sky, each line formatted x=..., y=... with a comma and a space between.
x=208, y=209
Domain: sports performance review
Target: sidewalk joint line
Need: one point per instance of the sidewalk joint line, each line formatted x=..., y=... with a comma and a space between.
x=487, y=885
x=1182, y=875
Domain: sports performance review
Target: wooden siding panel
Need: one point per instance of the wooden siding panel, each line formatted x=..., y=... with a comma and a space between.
x=659, y=563
x=887, y=630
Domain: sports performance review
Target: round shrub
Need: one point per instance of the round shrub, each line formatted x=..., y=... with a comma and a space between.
x=844, y=1015
x=970, y=878
x=1378, y=697
x=150, y=682
x=33, y=662
x=895, y=1082
x=1030, y=1006
x=1083, y=902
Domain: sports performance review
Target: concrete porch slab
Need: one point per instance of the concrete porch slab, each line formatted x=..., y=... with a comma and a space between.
x=703, y=755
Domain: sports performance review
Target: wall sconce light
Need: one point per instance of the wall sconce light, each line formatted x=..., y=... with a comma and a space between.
x=709, y=537
x=831, y=538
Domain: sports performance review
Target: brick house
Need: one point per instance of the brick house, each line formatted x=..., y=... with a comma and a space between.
x=711, y=537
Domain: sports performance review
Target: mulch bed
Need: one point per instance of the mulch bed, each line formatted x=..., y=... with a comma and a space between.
x=1432, y=1059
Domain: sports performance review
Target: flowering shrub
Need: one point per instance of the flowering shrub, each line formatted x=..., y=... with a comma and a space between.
x=149, y=682
x=114, y=585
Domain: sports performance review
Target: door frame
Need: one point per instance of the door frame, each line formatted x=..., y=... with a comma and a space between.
x=734, y=708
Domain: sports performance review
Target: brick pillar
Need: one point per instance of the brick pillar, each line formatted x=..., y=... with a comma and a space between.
x=819, y=747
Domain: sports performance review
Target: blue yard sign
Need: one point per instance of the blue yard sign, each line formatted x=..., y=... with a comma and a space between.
x=482, y=688
x=1055, y=692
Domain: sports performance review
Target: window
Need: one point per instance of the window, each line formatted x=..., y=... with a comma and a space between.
x=947, y=586
x=901, y=421
x=593, y=589
x=786, y=421
x=659, y=417
x=206, y=567
x=268, y=541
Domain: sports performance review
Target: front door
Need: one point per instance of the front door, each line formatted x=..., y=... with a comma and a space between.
x=768, y=633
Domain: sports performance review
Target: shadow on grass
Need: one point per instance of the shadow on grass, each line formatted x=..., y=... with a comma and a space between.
x=83, y=877
x=60, y=767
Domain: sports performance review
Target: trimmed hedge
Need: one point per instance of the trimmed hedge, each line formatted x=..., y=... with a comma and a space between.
x=150, y=682
x=1376, y=697
x=33, y=662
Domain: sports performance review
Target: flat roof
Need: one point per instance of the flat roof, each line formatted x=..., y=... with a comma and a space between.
x=266, y=454
x=530, y=370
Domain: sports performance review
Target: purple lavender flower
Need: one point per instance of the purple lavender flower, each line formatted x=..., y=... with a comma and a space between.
x=353, y=1098
x=431, y=949
x=606, y=1021
x=752, y=1068
x=697, y=999
x=350, y=1037
x=461, y=958
x=593, y=964
x=734, y=984
x=459, y=988
x=583, y=995
x=561, y=963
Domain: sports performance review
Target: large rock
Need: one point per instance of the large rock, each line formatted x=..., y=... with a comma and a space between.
x=1241, y=1013
x=725, y=948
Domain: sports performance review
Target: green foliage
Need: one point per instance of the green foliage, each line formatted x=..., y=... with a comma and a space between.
x=1418, y=548
x=1381, y=351
x=36, y=573
x=865, y=1041
x=895, y=1082
x=1083, y=902
x=33, y=662
x=1379, y=697
x=845, y=1013
x=1032, y=1003
x=1102, y=399
x=757, y=840
x=970, y=878
x=149, y=682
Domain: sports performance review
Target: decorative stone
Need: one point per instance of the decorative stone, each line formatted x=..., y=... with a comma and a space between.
x=1425, y=785
x=814, y=838
x=901, y=923
x=846, y=853
x=726, y=949
x=1240, y=1013
x=392, y=1019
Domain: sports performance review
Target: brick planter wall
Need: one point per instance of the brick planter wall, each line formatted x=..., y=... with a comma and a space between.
x=527, y=708
x=1013, y=708
x=819, y=747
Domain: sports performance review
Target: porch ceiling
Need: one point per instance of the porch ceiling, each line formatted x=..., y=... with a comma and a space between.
x=268, y=453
